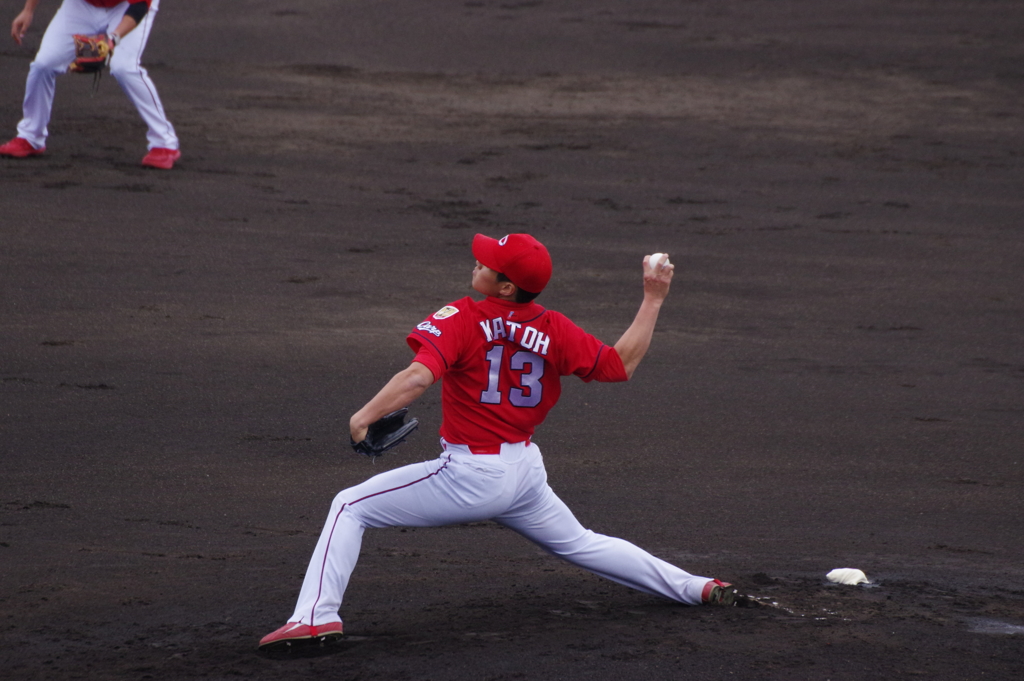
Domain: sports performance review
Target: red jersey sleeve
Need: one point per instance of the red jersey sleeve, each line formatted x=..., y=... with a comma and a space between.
x=584, y=355
x=608, y=368
x=437, y=340
x=429, y=360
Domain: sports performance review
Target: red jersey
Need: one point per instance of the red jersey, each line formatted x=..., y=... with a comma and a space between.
x=501, y=365
x=113, y=3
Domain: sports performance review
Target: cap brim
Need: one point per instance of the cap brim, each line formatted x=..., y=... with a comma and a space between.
x=484, y=250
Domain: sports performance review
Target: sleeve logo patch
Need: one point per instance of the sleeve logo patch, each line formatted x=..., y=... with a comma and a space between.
x=446, y=312
x=429, y=328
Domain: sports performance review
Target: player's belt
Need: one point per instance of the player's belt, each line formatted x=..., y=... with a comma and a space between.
x=493, y=449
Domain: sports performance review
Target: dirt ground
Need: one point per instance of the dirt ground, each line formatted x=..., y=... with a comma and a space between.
x=836, y=379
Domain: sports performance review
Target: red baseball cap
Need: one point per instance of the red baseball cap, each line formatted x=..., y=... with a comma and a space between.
x=520, y=257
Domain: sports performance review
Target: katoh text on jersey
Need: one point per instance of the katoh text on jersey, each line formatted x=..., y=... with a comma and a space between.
x=522, y=335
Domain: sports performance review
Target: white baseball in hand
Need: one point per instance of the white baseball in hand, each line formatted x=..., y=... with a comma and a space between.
x=657, y=258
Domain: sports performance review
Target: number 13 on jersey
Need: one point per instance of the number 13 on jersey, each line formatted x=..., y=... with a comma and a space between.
x=527, y=365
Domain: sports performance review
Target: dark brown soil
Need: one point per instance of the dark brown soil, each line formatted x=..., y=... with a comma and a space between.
x=837, y=379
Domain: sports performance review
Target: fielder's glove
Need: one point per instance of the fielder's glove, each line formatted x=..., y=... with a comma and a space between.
x=92, y=52
x=386, y=432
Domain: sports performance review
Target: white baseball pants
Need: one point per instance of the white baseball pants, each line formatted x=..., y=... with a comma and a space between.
x=57, y=51
x=510, y=488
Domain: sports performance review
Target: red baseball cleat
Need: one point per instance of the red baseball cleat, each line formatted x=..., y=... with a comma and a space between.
x=159, y=157
x=20, y=147
x=299, y=633
x=717, y=592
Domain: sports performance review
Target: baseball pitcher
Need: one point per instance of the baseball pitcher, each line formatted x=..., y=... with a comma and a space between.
x=500, y=361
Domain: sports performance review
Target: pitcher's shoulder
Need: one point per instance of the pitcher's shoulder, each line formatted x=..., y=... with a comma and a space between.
x=461, y=306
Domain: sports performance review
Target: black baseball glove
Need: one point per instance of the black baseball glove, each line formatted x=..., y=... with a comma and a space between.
x=386, y=432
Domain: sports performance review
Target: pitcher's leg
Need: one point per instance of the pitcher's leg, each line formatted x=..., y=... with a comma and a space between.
x=549, y=523
x=330, y=567
x=427, y=494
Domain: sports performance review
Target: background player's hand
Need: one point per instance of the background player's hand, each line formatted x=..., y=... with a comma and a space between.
x=20, y=25
x=658, y=278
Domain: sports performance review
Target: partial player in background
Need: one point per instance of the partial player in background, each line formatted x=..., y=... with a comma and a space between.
x=500, y=361
x=128, y=24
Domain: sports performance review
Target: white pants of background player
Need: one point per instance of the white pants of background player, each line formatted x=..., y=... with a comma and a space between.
x=57, y=51
x=510, y=488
